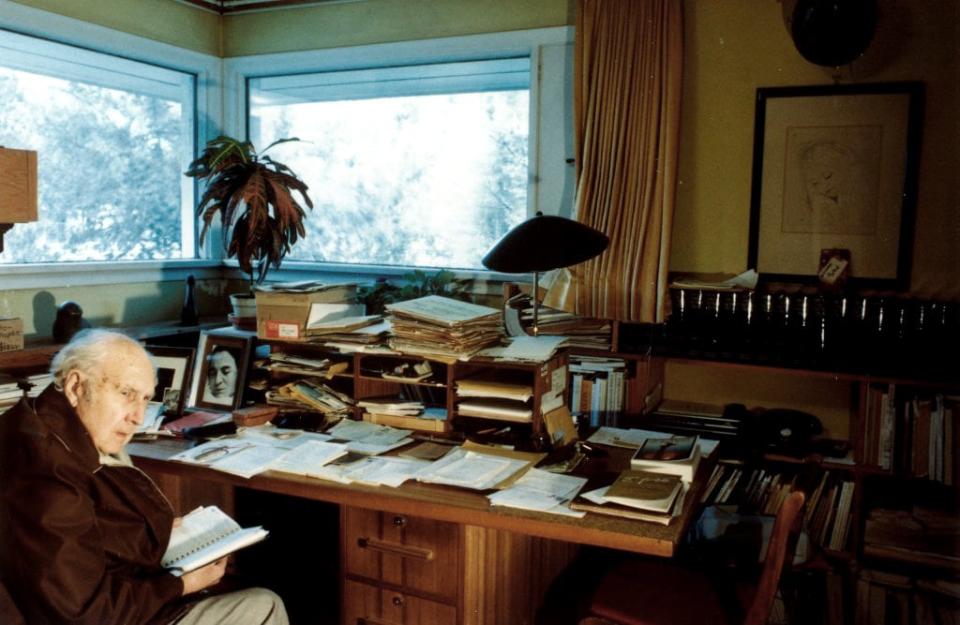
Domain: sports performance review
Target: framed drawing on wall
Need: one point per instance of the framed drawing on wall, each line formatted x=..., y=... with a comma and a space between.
x=835, y=168
x=219, y=374
x=174, y=370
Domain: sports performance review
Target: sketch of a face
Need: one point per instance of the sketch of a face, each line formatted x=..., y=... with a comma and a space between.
x=828, y=170
x=831, y=179
x=221, y=376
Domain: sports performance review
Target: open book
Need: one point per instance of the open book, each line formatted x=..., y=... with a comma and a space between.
x=204, y=536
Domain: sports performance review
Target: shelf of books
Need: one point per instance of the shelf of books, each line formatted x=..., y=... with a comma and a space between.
x=881, y=473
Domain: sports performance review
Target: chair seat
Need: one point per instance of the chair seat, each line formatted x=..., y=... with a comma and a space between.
x=643, y=592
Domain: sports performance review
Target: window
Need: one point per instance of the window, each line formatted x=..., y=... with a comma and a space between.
x=416, y=166
x=113, y=137
x=418, y=154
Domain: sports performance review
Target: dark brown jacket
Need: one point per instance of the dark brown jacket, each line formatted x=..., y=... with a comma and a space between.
x=80, y=541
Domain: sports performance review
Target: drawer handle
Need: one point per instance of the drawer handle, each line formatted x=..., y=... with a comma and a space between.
x=404, y=551
x=397, y=600
x=367, y=620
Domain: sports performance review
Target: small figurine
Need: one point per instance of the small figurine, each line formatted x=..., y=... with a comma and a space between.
x=69, y=321
x=189, y=316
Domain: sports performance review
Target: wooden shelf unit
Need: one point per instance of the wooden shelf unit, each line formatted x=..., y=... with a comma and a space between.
x=439, y=390
x=867, y=475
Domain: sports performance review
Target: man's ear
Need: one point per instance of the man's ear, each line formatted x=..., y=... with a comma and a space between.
x=73, y=387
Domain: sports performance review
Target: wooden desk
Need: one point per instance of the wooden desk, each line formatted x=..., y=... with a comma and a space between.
x=502, y=560
x=438, y=503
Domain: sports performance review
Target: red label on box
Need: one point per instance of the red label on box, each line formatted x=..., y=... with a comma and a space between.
x=282, y=329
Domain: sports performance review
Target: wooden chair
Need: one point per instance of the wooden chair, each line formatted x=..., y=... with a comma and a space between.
x=648, y=592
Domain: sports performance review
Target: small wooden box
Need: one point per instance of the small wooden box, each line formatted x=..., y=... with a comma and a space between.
x=18, y=186
x=11, y=334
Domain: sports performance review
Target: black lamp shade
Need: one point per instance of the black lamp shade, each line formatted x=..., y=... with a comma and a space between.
x=543, y=243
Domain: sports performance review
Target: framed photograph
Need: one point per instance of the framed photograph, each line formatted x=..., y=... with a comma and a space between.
x=174, y=370
x=220, y=371
x=835, y=168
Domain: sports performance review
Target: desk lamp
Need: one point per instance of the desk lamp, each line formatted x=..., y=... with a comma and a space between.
x=18, y=188
x=543, y=243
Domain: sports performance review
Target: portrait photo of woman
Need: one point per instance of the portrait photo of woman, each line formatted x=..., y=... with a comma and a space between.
x=220, y=371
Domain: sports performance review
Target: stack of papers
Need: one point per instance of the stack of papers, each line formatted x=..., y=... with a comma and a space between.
x=281, y=362
x=308, y=286
x=443, y=327
x=494, y=399
x=234, y=456
x=633, y=438
x=311, y=395
x=392, y=407
x=324, y=326
x=369, y=438
x=471, y=469
x=368, y=338
x=744, y=281
x=541, y=491
x=575, y=331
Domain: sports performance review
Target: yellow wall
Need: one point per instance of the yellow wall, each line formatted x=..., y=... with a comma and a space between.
x=380, y=21
x=732, y=47
x=162, y=20
x=735, y=46
x=113, y=305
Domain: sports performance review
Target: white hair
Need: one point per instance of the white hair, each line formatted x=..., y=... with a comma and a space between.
x=87, y=351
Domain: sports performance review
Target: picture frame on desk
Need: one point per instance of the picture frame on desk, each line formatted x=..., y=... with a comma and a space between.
x=835, y=167
x=220, y=371
x=174, y=372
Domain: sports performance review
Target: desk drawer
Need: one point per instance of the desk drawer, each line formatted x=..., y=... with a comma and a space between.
x=364, y=604
x=417, y=554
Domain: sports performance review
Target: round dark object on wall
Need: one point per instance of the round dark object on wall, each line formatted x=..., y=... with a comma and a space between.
x=832, y=32
x=69, y=321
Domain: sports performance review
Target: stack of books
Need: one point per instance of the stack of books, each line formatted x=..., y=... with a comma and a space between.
x=598, y=388
x=443, y=327
x=639, y=495
x=674, y=455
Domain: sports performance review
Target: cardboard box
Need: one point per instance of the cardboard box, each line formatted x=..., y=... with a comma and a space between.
x=18, y=186
x=11, y=334
x=284, y=315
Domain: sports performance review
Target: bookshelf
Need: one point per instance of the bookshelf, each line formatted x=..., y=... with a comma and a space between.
x=867, y=509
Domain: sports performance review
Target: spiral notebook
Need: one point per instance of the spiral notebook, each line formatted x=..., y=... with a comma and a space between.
x=204, y=536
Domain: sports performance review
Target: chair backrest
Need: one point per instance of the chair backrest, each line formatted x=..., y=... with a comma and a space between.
x=783, y=541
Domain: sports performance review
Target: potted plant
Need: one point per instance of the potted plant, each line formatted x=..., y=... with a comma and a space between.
x=255, y=197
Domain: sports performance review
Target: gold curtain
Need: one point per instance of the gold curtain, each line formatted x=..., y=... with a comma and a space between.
x=628, y=58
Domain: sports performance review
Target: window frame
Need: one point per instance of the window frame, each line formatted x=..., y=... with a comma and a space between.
x=90, y=40
x=550, y=171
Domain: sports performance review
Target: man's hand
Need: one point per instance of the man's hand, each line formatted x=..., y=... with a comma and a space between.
x=204, y=577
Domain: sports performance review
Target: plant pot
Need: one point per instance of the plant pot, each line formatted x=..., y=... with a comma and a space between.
x=244, y=305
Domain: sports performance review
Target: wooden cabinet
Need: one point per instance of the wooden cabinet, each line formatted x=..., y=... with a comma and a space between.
x=367, y=604
x=402, y=569
x=399, y=569
x=399, y=551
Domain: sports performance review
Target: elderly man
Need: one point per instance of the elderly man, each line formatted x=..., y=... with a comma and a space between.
x=82, y=530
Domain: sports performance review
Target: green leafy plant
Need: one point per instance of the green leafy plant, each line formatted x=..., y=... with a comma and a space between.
x=415, y=284
x=254, y=196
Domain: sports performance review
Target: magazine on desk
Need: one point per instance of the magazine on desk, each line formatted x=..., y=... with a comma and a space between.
x=204, y=536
